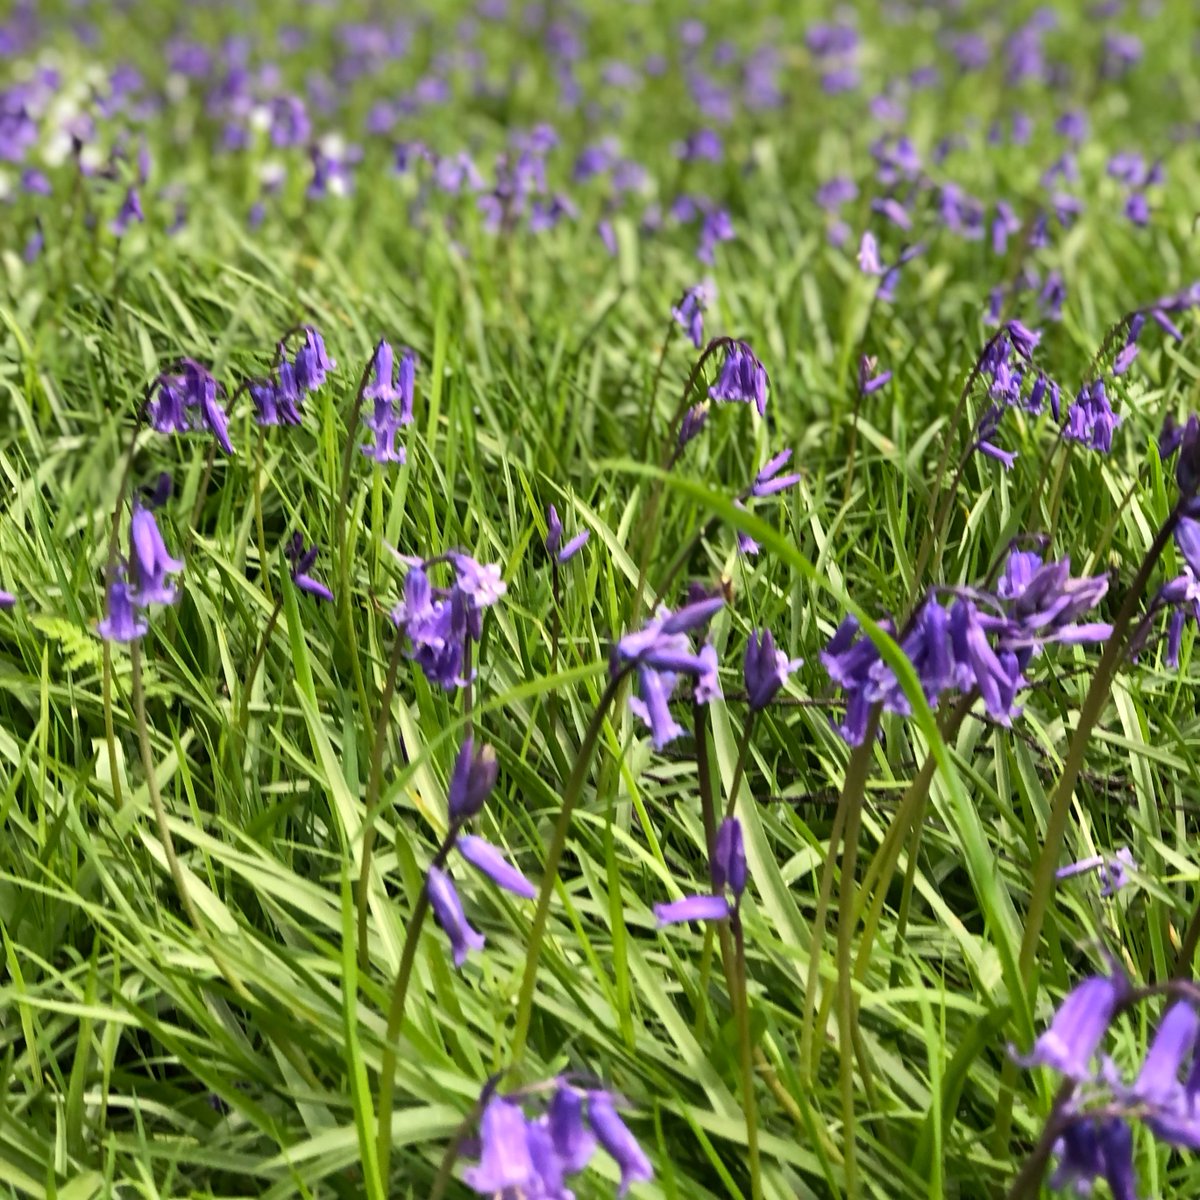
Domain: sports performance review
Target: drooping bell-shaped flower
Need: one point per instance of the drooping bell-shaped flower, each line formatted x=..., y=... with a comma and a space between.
x=1069, y=1045
x=151, y=561
x=764, y=669
x=485, y=857
x=618, y=1142
x=312, y=363
x=505, y=1165
x=448, y=913
x=475, y=773
x=121, y=622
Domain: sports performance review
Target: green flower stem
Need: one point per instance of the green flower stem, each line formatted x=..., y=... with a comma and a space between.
x=936, y=503
x=909, y=816
x=853, y=786
x=652, y=403
x=553, y=857
x=713, y=929
x=669, y=458
x=164, y=830
x=1089, y=714
x=852, y=794
x=374, y=786
x=109, y=734
x=1060, y=802
x=255, y=663
x=741, y=1004
x=259, y=528
x=395, y=1017
x=740, y=767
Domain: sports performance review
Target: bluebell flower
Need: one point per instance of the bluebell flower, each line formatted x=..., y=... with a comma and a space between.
x=265, y=399
x=472, y=780
x=381, y=383
x=618, y=1142
x=768, y=481
x=692, y=908
x=121, y=622
x=742, y=379
x=868, y=255
x=573, y=1141
x=302, y=562
x=1069, y=1045
x=1090, y=418
x=1174, y=1045
x=129, y=212
x=1114, y=871
x=167, y=408
x=708, y=682
x=7, y=601
x=448, y=913
x=312, y=363
x=868, y=381
x=151, y=561
x=689, y=312
x=485, y=857
x=765, y=669
x=1092, y=1148
x=554, y=530
x=505, y=1165
x=728, y=866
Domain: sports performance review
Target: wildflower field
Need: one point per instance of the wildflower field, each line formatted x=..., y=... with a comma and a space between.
x=599, y=599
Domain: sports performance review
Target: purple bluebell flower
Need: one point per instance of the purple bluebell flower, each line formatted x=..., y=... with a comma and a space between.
x=472, y=780
x=1069, y=1045
x=989, y=423
x=692, y=908
x=152, y=563
x=7, y=601
x=868, y=381
x=765, y=669
x=742, y=379
x=121, y=622
x=617, y=1140
x=693, y=421
x=200, y=392
x=129, y=212
x=381, y=383
x=1114, y=871
x=895, y=212
x=661, y=651
x=265, y=398
x=689, y=312
x=768, y=481
x=1024, y=340
x=573, y=1142
x=485, y=857
x=448, y=913
x=1053, y=295
x=301, y=563
x=1091, y=1149
x=1124, y=359
x=562, y=554
x=1090, y=418
x=716, y=227
x=708, y=682
x=1137, y=209
x=1174, y=1045
x=728, y=866
x=383, y=422
x=505, y=1165
x=167, y=409
x=868, y=255
x=312, y=363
